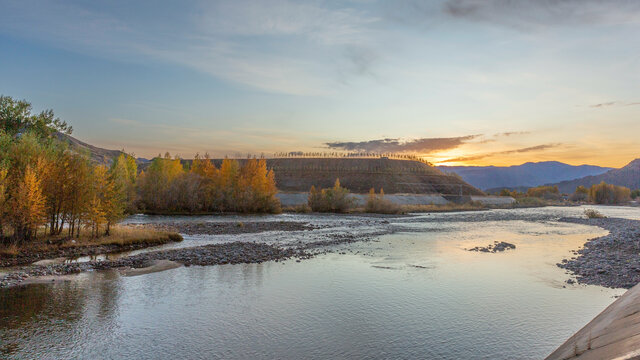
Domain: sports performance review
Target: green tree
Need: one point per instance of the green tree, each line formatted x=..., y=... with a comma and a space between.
x=16, y=118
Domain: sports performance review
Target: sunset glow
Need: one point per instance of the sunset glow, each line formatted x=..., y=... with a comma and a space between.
x=503, y=84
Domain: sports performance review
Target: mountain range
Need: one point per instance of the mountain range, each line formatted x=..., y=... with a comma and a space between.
x=523, y=176
x=628, y=176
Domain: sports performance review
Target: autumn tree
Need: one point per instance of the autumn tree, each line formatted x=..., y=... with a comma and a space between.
x=123, y=173
x=581, y=194
x=154, y=186
x=27, y=206
x=604, y=193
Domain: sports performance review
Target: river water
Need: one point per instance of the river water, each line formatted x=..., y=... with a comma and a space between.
x=412, y=293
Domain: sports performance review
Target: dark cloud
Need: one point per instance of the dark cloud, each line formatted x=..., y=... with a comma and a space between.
x=506, y=152
x=526, y=14
x=424, y=145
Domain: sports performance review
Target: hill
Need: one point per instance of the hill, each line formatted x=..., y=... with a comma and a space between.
x=360, y=175
x=97, y=155
x=628, y=176
x=522, y=176
x=357, y=174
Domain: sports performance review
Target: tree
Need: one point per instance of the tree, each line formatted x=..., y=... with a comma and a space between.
x=154, y=185
x=99, y=201
x=545, y=192
x=581, y=194
x=27, y=206
x=228, y=184
x=16, y=118
x=123, y=174
x=3, y=199
x=604, y=193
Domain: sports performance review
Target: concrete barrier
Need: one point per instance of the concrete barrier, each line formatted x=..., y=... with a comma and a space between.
x=296, y=199
x=494, y=200
x=613, y=334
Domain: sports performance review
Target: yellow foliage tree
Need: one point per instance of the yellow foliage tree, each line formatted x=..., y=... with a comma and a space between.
x=27, y=206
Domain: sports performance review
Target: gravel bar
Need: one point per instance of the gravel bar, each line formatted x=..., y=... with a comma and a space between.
x=216, y=254
x=612, y=260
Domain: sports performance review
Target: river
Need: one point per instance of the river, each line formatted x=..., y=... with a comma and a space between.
x=414, y=292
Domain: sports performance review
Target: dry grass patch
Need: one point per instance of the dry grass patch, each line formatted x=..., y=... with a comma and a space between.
x=126, y=235
x=120, y=238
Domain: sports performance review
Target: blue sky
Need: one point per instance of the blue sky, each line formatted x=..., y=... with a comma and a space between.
x=457, y=81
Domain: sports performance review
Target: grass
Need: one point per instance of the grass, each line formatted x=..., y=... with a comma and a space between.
x=126, y=235
x=593, y=214
x=121, y=237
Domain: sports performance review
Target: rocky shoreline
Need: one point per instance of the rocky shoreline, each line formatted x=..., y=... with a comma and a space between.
x=216, y=254
x=612, y=260
x=231, y=228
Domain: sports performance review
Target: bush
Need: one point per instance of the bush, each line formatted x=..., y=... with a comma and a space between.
x=335, y=199
x=593, y=214
x=379, y=205
x=635, y=194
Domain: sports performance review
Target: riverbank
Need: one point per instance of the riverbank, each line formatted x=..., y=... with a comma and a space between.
x=216, y=254
x=122, y=238
x=612, y=260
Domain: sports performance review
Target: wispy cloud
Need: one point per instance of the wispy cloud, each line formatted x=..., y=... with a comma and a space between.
x=527, y=14
x=506, y=152
x=513, y=133
x=264, y=45
x=423, y=145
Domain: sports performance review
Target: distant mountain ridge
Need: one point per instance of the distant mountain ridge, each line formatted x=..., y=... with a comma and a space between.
x=628, y=176
x=520, y=176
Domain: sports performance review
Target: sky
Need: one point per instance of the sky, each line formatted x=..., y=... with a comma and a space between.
x=460, y=82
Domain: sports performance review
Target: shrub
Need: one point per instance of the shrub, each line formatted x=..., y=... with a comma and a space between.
x=635, y=194
x=335, y=199
x=376, y=203
x=593, y=214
